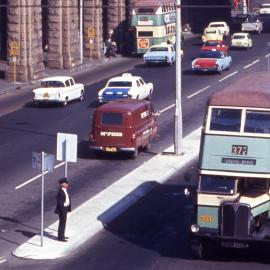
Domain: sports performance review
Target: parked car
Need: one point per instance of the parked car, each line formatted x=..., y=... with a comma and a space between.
x=212, y=61
x=160, y=54
x=215, y=45
x=264, y=8
x=211, y=33
x=241, y=40
x=222, y=26
x=58, y=89
x=123, y=126
x=125, y=86
x=252, y=24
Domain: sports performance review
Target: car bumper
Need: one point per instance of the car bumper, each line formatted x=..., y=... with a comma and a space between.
x=112, y=148
x=47, y=100
x=210, y=69
x=108, y=99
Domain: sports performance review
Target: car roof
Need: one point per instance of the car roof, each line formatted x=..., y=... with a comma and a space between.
x=125, y=77
x=123, y=105
x=57, y=78
x=218, y=22
x=240, y=33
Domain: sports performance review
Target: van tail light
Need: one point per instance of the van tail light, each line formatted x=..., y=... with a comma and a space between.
x=133, y=136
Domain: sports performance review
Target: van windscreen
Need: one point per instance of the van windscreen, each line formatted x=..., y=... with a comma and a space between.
x=112, y=118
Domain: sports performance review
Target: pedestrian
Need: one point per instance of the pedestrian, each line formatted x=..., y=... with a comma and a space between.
x=63, y=206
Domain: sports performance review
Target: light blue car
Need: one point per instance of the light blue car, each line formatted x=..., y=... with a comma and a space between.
x=160, y=54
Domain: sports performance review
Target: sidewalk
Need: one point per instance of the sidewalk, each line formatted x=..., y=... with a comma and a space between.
x=92, y=216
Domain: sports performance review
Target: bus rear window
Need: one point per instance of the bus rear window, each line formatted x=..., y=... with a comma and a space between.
x=225, y=119
x=217, y=184
x=257, y=122
x=145, y=33
x=112, y=119
x=146, y=11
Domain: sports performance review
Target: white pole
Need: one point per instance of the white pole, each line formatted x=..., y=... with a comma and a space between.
x=178, y=105
x=81, y=30
x=42, y=197
x=66, y=147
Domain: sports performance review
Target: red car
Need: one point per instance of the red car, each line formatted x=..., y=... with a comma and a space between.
x=215, y=45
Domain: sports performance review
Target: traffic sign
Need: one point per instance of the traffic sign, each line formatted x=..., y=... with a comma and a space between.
x=67, y=147
x=91, y=32
x=14, y=48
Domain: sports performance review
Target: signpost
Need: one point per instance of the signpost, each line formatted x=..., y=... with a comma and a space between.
x=42, y=162
x=91, y=33
x=67, y=148
x=14, y=53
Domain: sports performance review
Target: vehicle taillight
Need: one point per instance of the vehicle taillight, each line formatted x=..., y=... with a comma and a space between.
x=133, y=136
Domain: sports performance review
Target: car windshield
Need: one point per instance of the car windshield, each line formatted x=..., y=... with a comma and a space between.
x=238, y=37
x=217, y=184
x=252, y=19
x=159, y=49
x=49, y=84
x=210, y=54
x=120, y=84
x=211, y=43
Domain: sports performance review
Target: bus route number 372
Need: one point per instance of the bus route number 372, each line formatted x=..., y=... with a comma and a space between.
x=239, y=150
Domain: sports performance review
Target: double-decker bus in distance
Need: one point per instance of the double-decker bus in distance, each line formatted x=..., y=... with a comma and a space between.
x=232, y=207
x=154, y=22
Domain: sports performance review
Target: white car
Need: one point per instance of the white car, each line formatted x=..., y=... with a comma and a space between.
x=222, y=26
x=125, y=86
x=58, y=89
x=241, y=40
x=252, y=24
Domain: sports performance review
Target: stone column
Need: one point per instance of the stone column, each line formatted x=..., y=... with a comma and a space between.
x=63, y=34
x=24, y=29
x=92, y=18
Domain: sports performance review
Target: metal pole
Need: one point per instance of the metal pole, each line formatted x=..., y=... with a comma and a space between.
x=178, y=105
x=268, y=63
x=42, y=198
x=81, y=30
x=66, y=146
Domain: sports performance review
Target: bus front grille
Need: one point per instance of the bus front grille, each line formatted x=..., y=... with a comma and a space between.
x=235, y=220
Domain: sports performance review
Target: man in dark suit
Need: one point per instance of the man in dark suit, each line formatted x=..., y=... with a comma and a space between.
x=63, y=206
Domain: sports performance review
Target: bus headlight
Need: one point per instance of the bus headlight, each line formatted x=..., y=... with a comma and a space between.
x=194, y=228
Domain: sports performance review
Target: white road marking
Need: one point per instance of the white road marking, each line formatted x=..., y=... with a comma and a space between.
x=2, y=259
x=36, y=177
x=199, y=91
x=267, y=55
x=254, y=62
x=228, y=76
x=167, y=108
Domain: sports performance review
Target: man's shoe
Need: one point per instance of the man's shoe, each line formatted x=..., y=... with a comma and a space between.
x=62, y=240
x=66, y=237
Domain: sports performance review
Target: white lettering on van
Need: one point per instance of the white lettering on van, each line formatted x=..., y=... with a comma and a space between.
x=144, y=114
x=111, y=134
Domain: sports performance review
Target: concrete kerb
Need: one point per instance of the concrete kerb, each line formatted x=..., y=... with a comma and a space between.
x=111, y=202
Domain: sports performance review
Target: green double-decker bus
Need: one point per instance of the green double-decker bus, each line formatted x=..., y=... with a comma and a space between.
x=154, y=22
x=233, y=193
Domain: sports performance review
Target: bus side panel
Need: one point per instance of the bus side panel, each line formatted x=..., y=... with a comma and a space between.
x=224, y=153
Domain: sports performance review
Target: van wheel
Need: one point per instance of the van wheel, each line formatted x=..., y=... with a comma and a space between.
x=65, y=103
x=135, y=153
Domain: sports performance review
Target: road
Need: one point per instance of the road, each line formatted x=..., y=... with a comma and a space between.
x=25, y=128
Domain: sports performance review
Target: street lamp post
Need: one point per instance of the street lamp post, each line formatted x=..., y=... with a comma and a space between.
x=178, y=105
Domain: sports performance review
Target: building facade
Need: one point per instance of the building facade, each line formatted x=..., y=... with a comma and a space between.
x=36, y=34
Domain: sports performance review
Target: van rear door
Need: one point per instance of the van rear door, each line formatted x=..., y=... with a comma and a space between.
x=111, y=133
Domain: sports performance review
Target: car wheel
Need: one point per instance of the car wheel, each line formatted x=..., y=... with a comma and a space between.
x=171, y=63
x=65, y=103
x=220, y=70
x=150, y=95
x=81, y=96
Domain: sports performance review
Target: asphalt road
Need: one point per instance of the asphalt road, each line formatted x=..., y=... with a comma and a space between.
x=25, y=128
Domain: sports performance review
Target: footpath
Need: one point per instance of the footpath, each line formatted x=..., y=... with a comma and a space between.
x=92, y=216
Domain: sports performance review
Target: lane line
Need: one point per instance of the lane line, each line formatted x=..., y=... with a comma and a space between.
x=267, y=55
x=254, y=62
x=228, y=76
x=2, y=259
x=36, y=177
x=199, y=91
x=167, y=108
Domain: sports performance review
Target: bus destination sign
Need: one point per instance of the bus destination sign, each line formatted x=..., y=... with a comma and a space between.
x=238, y=161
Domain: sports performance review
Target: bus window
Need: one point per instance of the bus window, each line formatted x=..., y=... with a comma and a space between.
x=225, y=119
x=217, y=184
x=257, y=122
x=145, y=34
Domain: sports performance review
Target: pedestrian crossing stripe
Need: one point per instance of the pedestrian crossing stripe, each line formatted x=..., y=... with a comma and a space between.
x=2, y=259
